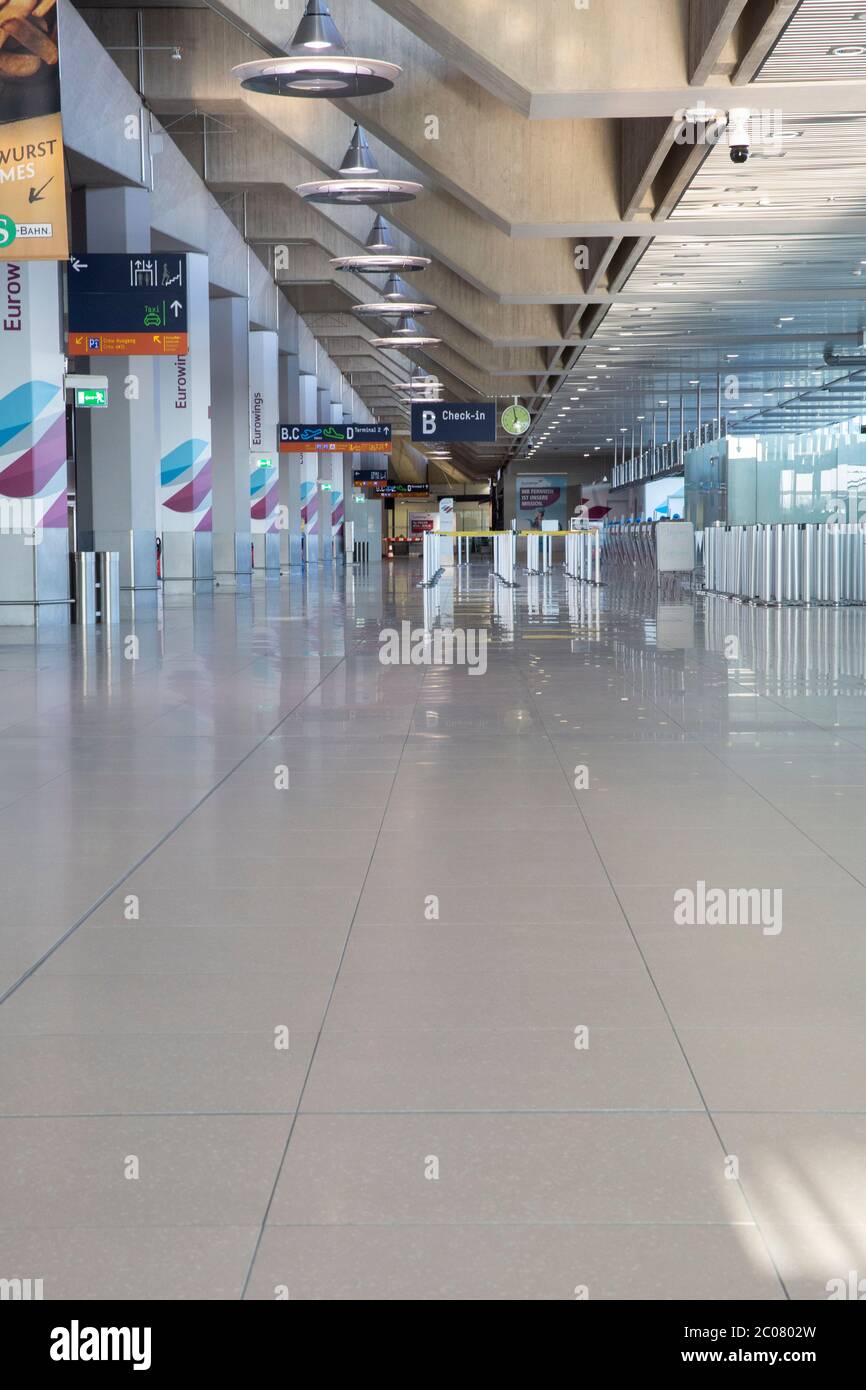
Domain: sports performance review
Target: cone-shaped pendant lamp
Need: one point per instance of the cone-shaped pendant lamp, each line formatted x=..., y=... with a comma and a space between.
x=355, y=184
x=317, y=64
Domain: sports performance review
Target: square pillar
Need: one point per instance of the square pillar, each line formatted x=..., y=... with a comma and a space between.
x=183, y=410
x=230, y=442
x=34, y=536
x=117, y=448
x=264, y=464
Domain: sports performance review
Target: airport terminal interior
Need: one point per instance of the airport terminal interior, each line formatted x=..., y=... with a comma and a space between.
x=433, y=650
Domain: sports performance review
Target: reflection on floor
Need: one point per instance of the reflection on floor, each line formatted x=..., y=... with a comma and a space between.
x=327, y=978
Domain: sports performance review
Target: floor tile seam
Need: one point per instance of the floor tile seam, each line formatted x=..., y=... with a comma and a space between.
x=312, y=1057
x=119, y=882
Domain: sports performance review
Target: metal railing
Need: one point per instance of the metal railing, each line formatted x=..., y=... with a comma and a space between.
x=656, y=460
x=802, y=563
x=583, y=555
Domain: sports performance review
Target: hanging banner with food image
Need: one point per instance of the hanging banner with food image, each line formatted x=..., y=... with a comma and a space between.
x=32, y=178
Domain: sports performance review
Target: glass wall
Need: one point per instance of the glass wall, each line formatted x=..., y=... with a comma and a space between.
x=779, y=477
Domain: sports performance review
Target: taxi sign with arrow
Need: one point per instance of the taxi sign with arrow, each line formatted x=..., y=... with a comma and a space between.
x=128, y=304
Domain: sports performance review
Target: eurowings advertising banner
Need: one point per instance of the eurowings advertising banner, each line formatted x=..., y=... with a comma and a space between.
x=32, y=401
x=264, y=413
x=541, y=497
x=186, y=476
x=32, y=179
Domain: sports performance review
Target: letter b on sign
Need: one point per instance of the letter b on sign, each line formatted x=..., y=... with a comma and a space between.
x=428, y=422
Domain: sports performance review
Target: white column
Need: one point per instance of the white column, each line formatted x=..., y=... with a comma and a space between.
x=264, y=468
x=229, y=324
x=186, y=475
x=117, y=448
x=34, y=547
x=309, y=471
x=290, y=472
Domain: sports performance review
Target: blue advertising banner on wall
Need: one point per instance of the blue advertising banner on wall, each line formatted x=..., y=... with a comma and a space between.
x=541, y=497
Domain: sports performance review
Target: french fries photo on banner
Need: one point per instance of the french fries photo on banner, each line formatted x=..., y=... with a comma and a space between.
x=33, y=222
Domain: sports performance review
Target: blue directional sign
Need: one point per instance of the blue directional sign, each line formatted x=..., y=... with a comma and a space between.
x=142, y=293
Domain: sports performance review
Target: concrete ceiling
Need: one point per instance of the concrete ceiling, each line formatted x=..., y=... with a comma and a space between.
x=590, y=255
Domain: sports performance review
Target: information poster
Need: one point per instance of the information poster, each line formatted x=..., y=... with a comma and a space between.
x=541, y=497
x=32, y=175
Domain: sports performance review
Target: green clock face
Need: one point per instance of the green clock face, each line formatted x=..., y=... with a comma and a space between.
x=516, y=419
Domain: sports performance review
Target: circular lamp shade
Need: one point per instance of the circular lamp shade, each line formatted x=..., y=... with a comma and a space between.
x=387, y=309
x=419, y=382
x=306, y=75
x=380, y=263
x=380, y=254
x=362, y=192
x=406, y=333
x=318, y=64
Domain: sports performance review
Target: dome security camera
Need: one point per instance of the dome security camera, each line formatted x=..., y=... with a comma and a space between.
x=740, y=134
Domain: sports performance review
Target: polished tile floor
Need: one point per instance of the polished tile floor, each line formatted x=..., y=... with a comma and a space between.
x=329, y=979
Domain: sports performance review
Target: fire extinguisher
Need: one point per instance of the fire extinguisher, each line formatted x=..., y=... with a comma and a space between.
x=159, y=557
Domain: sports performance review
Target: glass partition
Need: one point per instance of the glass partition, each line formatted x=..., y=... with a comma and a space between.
x=745, y=479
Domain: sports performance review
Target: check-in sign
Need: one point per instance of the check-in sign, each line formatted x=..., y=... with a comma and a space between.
x=451, y=422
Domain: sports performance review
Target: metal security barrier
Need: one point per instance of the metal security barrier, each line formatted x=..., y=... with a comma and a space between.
x=82, y=586
x=432, y=558
x=94, y=583
x=583, y=555
x=804, y=563
x=107, y=586
x=505, y=556
x=630, y=543
x=539, y=551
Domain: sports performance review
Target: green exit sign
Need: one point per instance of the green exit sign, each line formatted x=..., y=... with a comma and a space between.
x=326, y=487
x=91, y=399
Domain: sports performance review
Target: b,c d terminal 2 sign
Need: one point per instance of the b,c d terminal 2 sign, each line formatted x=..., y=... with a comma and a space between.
x=338, y=439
